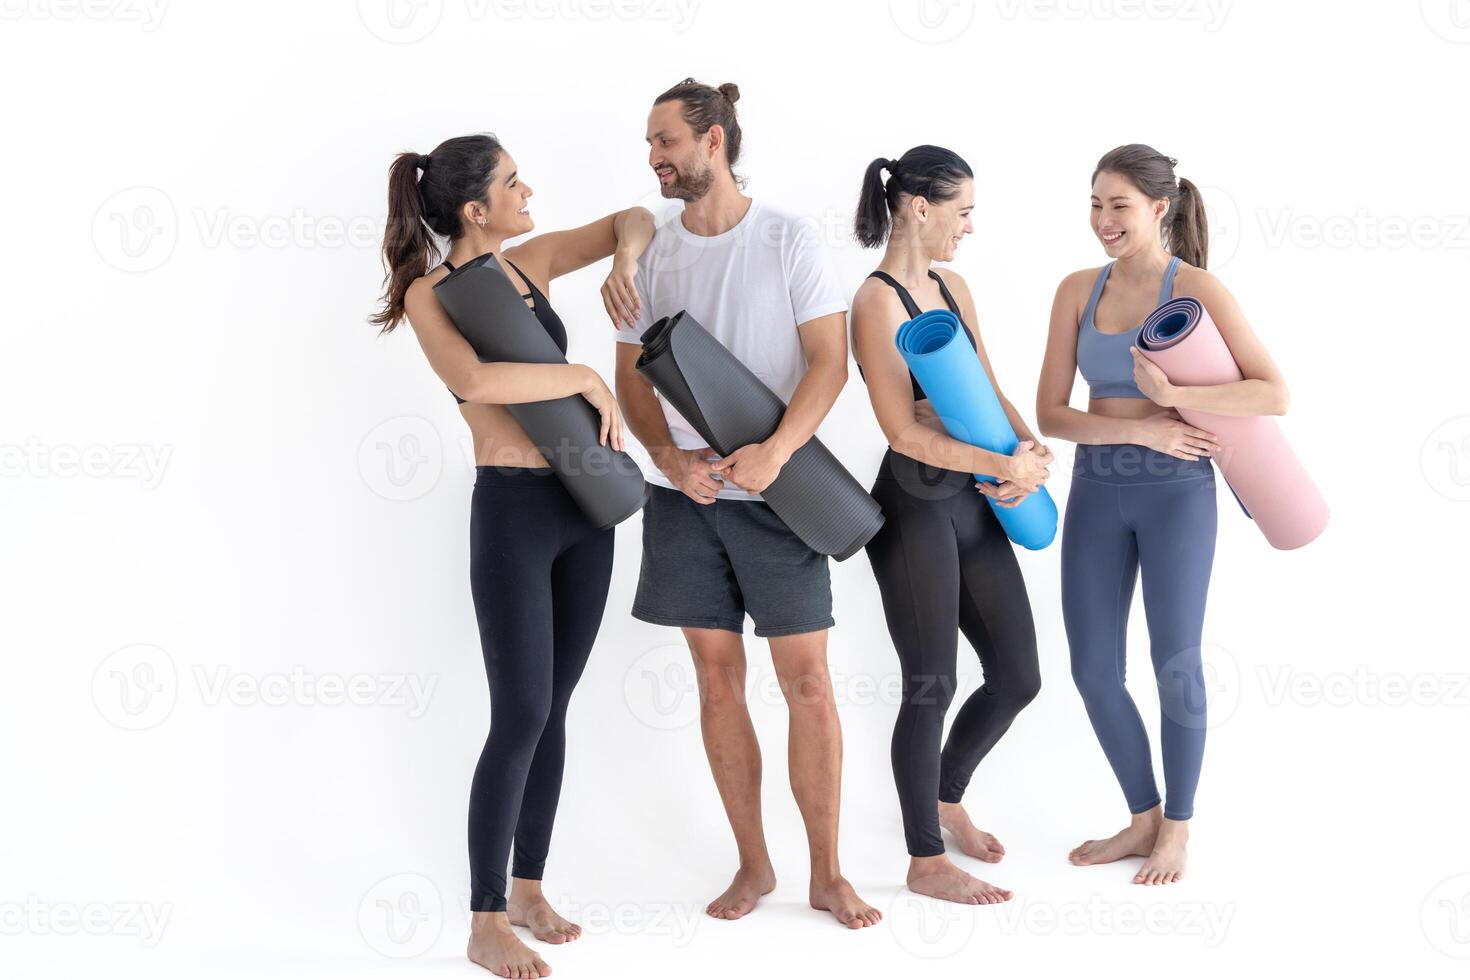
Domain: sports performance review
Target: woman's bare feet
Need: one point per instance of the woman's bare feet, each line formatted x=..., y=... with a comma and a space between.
x=972, y=840
x=938, y=877
x=496, y=947
x=1165, y=863
x=527, y=906
x=837, y=896
x=747, y=888
x=1135, y=840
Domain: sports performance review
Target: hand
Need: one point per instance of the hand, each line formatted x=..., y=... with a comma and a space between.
x=619, y=295
x=1165, y=432
x=1005, y=494
x=689, y=470
x=1151, y=380
x=1027, y=469
x=753, y=467
x=601, y=398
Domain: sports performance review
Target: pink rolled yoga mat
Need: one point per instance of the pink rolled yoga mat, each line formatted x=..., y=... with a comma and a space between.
x=1255, y=458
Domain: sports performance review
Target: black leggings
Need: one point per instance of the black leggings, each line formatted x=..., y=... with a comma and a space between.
x=539, y=575
x=943, y=566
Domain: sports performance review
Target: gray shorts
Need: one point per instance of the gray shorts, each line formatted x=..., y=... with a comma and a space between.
x=707, y=565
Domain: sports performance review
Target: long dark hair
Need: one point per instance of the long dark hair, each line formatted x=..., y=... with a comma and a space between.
x=706, y=106
x=1186, y=232
x=459, y=170
x=930, y=172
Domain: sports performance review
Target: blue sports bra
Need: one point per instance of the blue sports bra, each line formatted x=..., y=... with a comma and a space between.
x=1103, y=358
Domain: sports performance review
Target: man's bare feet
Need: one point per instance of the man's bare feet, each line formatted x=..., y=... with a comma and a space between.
x=747, y=888
x=938, y=877
x=527, y=906
x=1135, y=840
x=972, y=840
x=837, y=896
x=496, y=947
x=1165, y=862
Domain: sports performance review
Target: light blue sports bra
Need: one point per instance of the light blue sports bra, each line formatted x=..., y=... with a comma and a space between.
x=1103, y=358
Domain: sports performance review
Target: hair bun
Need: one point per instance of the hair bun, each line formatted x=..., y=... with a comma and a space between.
x=730, y=91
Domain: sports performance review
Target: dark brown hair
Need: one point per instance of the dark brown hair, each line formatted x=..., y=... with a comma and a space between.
x=1186, y=232
x=706, y=106
x=930, y=172
x=458, y=171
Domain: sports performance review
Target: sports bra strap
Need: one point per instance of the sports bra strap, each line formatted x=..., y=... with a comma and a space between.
x=903, y=294
x=1166, y=291
x=448, y=265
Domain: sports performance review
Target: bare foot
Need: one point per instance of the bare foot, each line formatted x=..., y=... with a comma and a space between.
x=528, y=907
x=972, y=840
x=747, y=888
x=836, y=896
x=1135, y=840
x=1165, y=863
x=938, y=877
x=495, y=947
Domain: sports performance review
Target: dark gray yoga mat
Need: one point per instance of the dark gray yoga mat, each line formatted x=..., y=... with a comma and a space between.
x=486, y=307
x=730, y=407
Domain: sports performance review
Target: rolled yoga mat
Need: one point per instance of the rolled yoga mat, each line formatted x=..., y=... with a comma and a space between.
x=1256, y=460
x=934, y=346
x=730, y=407
x=486, y=307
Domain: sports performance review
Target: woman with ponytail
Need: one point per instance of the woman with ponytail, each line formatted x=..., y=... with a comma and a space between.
x=1143, y=490
x=942, y=561
x=539, y=571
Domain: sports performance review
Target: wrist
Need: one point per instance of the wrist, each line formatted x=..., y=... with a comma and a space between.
x=781, y=446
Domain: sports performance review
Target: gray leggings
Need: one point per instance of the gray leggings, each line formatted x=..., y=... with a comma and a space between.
x=1133, y=509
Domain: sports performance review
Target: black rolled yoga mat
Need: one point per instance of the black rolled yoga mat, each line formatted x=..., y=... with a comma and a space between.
x=730, y=407
x=486, y=307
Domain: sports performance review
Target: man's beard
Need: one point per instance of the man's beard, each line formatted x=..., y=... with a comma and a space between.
x=689, y=185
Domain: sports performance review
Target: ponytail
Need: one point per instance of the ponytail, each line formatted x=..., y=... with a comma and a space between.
x=419, y=208
x=1189, y=232
x=870, y=227
x=406, y=242
x=930, y=172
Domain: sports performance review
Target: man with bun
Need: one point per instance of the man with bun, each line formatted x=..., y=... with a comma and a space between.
x=757, y=279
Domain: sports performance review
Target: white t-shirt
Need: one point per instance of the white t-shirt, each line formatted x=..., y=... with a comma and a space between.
x=750, y=287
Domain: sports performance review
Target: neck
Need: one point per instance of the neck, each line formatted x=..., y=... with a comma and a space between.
x=1145, y=265
x=718, y=211
x=472, y=245
x=906, y=260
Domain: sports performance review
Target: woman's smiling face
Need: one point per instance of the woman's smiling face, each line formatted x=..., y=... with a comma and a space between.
x=1123, y=218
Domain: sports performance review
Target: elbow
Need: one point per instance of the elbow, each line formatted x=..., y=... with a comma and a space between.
x=1045, y=421
x=1283, y=399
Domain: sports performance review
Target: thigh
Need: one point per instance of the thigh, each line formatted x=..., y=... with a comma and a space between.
x=785, y=585
x=685, y=578
x=995, y=609
x=580, y=577
x=512, y=548
x=1099, y=570
x=1176, y=545
x=916, y=562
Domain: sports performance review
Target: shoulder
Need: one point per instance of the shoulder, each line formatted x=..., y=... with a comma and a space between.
x=875, y=301
x=776, y=224
x=420, y=294
x=1193, y=281
x=955, y=282
x=1078, y=285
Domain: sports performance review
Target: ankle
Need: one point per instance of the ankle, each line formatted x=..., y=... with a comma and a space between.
x=1150, y=819
x=919, y=866
x=490, y=922
x=1174, y=829
x=525, y=891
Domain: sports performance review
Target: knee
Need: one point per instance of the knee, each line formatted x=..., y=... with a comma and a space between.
x=807, y=686
x=1095, y=676
x=1025, y=689
x=720, y=675
x=515, y=733
x=926, y=693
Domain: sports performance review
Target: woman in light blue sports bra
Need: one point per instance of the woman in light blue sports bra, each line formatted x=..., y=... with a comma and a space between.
x=1142, y=497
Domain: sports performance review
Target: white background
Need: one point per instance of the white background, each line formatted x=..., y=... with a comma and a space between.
x=223, y=494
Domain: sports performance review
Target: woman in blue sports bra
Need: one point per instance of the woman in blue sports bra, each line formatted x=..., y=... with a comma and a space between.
x=539, y=570
x=1142, y=497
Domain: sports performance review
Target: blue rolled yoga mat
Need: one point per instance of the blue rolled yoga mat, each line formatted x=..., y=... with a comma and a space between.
x=935, y=348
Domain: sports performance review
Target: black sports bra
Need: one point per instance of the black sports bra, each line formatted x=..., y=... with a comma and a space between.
x=540, y=305
x=913, y=311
